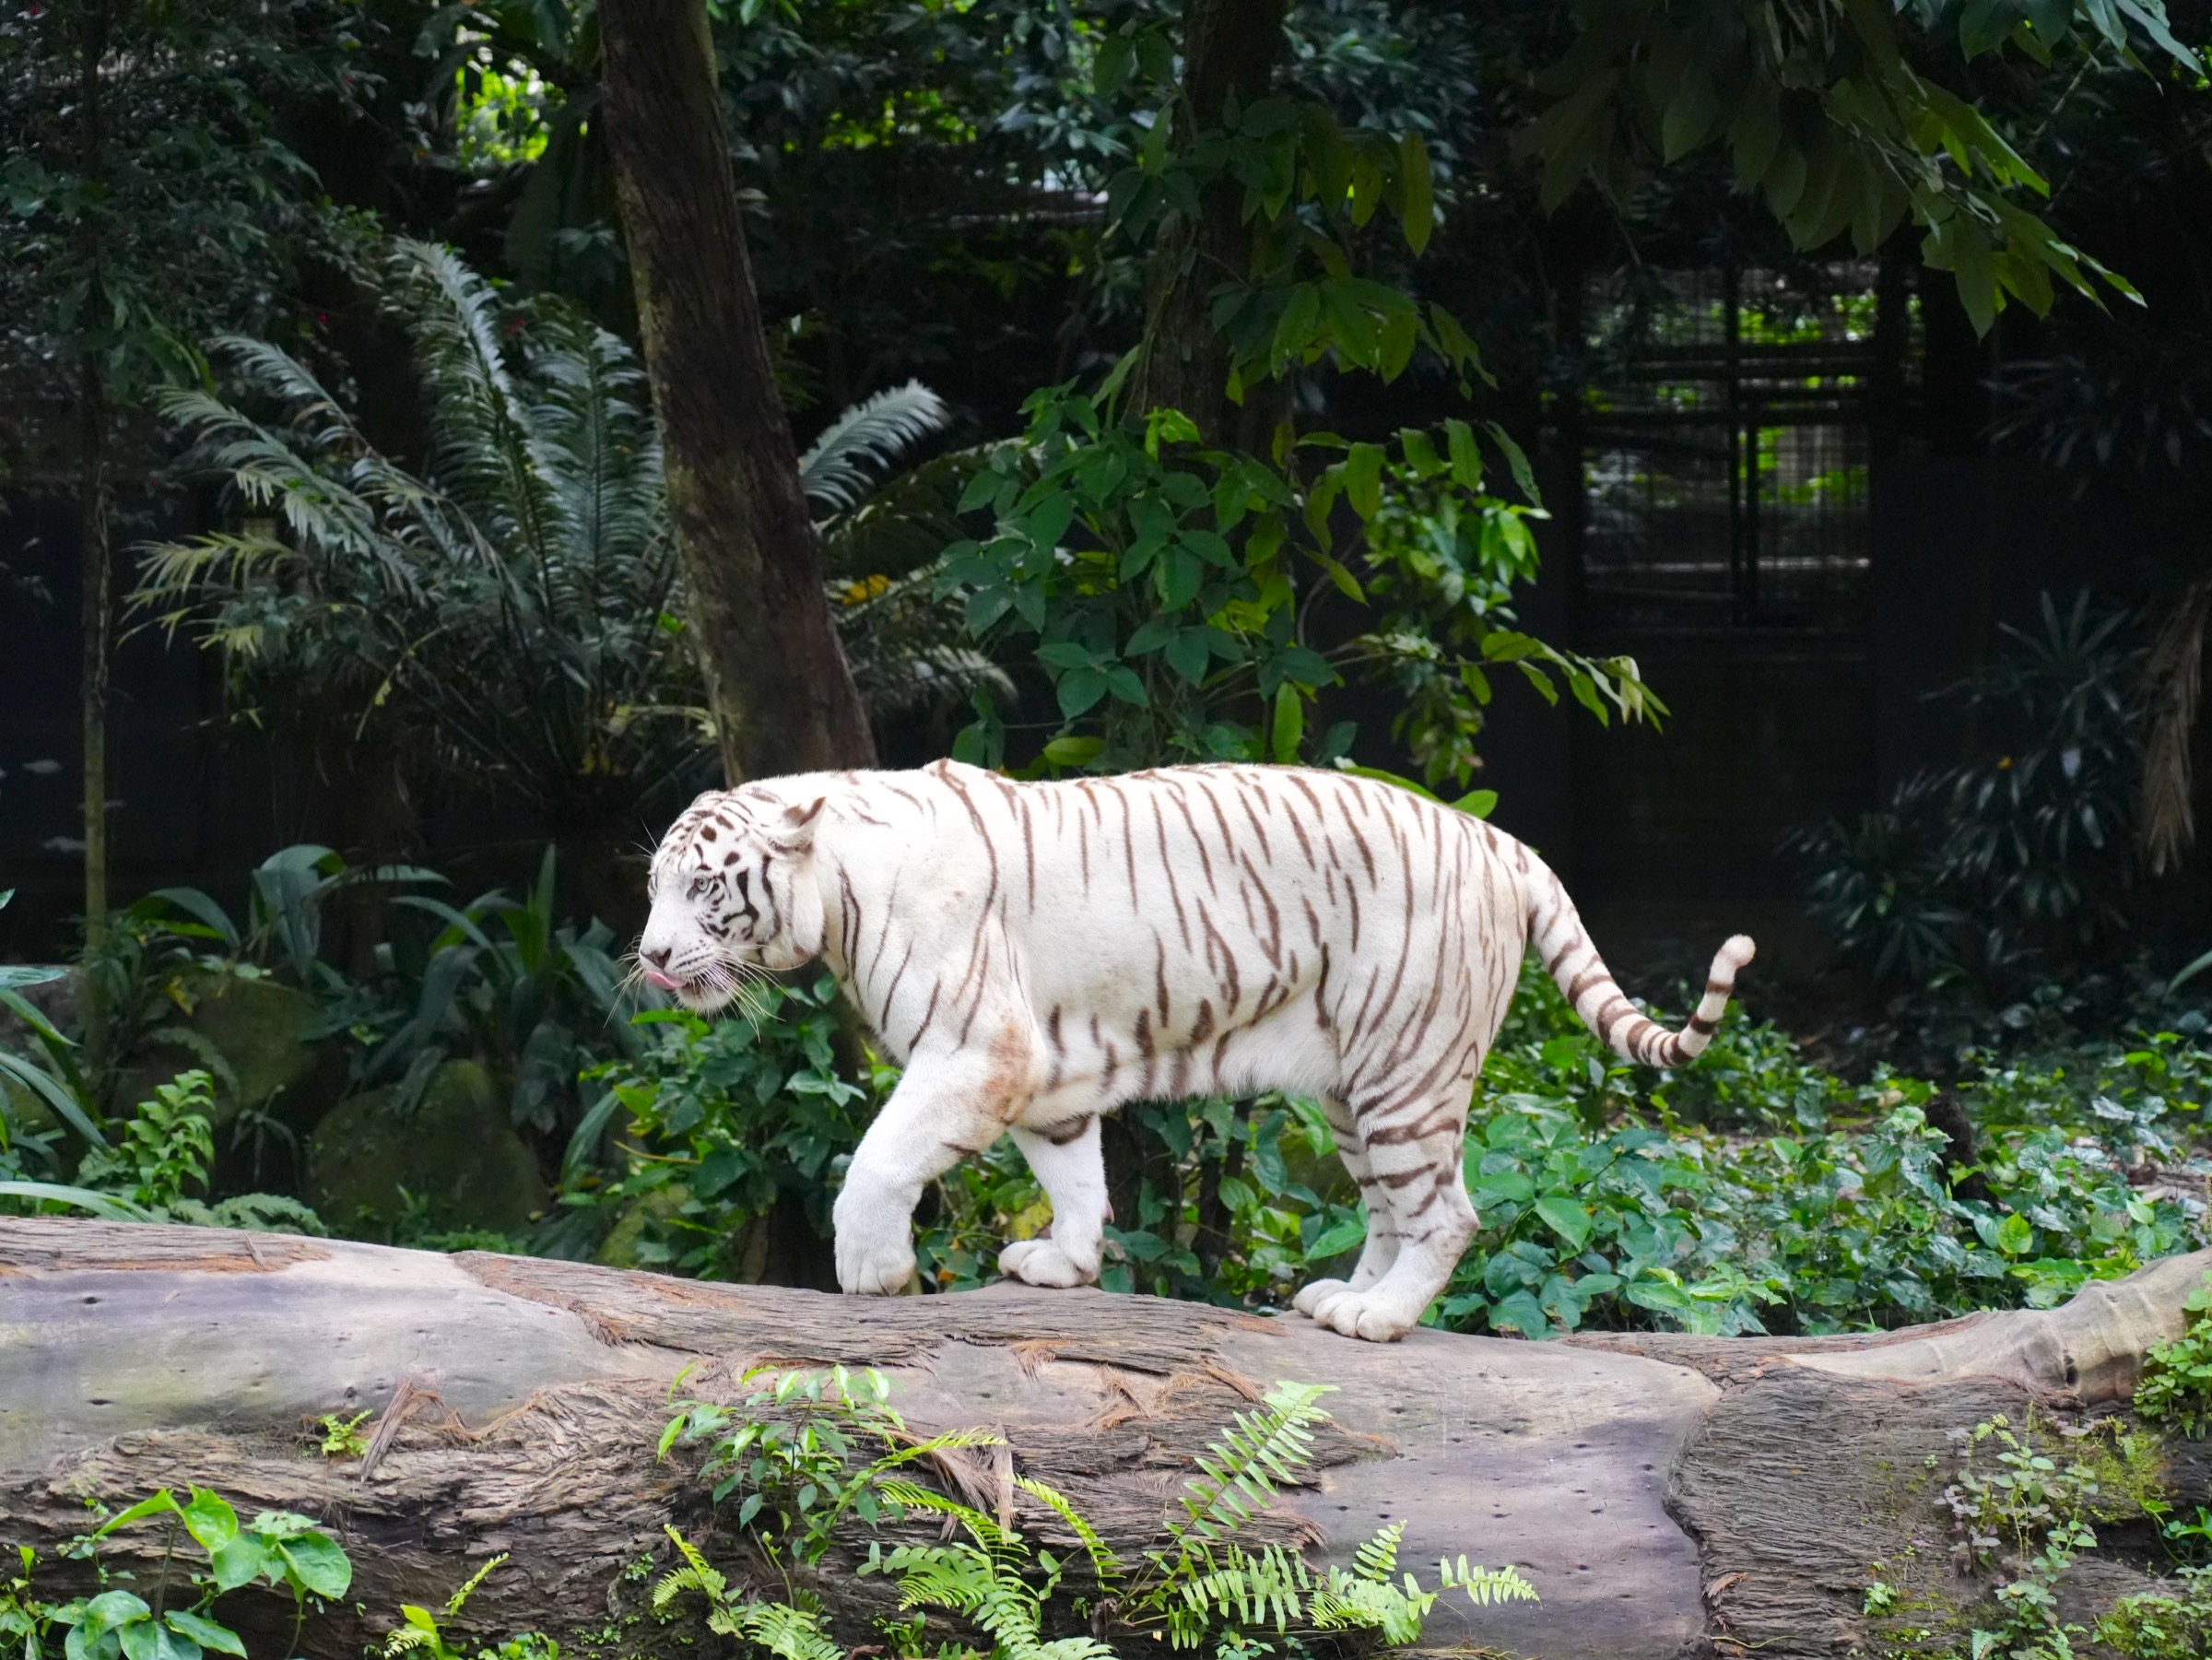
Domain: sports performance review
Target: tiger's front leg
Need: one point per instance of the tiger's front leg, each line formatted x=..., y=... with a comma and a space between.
x=1072, y=1171
x=946, y=1108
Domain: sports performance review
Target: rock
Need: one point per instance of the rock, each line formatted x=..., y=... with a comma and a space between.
x=455, y=1153
x=257, y=1026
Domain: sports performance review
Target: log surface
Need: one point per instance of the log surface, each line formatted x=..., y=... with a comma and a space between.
x=1663, y=1493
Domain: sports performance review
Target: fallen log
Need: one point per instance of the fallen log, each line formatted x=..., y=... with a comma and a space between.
x=1666, y=1494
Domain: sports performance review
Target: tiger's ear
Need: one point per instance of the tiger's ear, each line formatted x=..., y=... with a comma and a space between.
x=794, y=830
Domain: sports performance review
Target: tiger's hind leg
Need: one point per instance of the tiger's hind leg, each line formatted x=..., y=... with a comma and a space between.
x=1382, y=1248
x=1413, y=1157
x=1072, y=1170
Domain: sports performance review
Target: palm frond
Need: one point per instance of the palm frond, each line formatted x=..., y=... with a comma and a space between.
x=840, y=467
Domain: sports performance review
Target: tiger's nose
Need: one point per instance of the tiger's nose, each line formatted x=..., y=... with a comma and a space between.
x=658, y=955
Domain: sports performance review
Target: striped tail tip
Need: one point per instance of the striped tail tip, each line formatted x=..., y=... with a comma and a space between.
x=1735, y=952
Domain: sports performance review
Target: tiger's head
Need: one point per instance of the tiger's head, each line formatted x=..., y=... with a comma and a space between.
x=733, y=894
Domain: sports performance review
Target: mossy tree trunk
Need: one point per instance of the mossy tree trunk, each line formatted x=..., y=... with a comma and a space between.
x=781, y=691
x=1666, y=1495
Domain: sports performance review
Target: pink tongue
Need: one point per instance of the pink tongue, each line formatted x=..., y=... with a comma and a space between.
x=661, y=980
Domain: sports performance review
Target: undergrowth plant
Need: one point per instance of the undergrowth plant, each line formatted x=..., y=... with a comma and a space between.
x=2177, y=1376
x=1205, y=1588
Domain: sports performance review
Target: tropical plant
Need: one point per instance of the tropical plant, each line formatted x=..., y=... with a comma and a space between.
x=1203, y=1585
x=2019, y=858
x=57, y=1079
x=514, y=614
x=503, y=980
x=723, y=1122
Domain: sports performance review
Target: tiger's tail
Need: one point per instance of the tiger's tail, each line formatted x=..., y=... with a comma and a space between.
x=1571, y=957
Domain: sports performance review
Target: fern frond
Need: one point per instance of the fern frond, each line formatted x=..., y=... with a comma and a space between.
x=839, y=467
x=983, y=1529
x=1103, y=1562
x=787, y=1633
x=1377, y=1559
x=1485, y=1586
x=1239, y=1473
x=696, y=1574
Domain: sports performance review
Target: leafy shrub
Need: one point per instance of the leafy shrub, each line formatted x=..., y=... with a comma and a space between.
x=724, y=1119
x=2177, y=1376
x=148, y=1174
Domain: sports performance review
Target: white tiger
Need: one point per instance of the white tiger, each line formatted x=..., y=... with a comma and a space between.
x=1037, y=954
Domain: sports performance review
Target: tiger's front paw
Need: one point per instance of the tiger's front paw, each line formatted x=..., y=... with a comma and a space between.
x=874, y=1251
x=1040, y=1262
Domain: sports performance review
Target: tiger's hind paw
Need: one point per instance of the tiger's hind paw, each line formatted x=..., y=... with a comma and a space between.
x=1333, y=1303
x=1040, y=1262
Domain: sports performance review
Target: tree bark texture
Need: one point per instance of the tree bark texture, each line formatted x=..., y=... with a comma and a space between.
x=781, y=690
x=1667, y=1495
x=1230, y=47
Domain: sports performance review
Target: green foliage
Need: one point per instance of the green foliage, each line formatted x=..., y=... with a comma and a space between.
x=422, y=1635
x=1170, y=589
x=513, y=613
x=2177, y=1376
x=726, y=1118
x=342, y=1436
x=53, y=1074
x=2012, y=865
x=1203, y=1588
x=149, y=1172
x=2167, y=1624
x=504, y=980
x=182, y=211
x=1832, y=115
x=782, y=1454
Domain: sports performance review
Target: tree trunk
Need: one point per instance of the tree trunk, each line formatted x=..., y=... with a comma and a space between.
x=777, y=680
x=1230, y=47
x=1667, y=1495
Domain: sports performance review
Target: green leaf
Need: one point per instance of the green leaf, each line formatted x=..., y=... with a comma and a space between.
x=206, y=1633
x=2016, y=1235
x=210, y=1519
x=1478, y=804
x=1466, y=459
x=318, y=1563
x=241, y=1562
x=1072, y=751
x=1335, y=1240
x=1079, y=691
x=1363, y=479
x=162, y=1503
x=1689, y=113
x=1567, y=1218
x=106, y=1205
x=1519, y=1312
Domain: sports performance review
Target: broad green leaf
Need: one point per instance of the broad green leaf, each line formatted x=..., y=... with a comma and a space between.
x=1568, y=1219
x=207, y=1632
x=318, y=1563
x=1415, y=192
x=210, y=1519
x=1334, y=1241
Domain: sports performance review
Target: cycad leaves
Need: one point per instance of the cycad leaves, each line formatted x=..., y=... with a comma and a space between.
x=840, y=467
